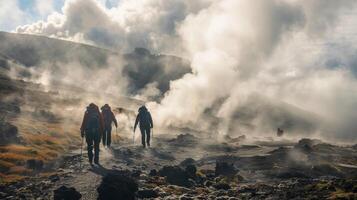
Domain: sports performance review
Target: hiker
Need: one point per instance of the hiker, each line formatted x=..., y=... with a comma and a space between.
x=280, y=132
x=92, y=128
x=145, y=120
x=109, y=118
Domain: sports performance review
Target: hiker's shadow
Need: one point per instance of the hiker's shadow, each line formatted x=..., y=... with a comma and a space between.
x=100, y=170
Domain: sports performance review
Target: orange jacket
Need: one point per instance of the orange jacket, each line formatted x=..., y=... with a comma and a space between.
x=85, y=119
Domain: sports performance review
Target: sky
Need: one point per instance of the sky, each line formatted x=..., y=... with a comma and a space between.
x=275, y=56
x=14, y=13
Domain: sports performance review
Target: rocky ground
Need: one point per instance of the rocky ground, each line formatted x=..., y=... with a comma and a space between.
x=187, y=167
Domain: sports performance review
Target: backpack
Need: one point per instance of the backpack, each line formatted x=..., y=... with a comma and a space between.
x=93, y=121
x=107, y=115
x=144, y=119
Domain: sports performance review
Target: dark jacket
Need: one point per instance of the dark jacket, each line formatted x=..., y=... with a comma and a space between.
x=92, y=109
x=144, y=118
x=108, y=116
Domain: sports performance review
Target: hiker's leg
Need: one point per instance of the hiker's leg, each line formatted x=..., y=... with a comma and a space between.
x=104, y=137
x=148, y=131
x=142, y=130
x=96, y=148
x=89, y=140
x=109, y=135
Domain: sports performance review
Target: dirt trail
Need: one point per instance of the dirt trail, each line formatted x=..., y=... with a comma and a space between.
x=125, y=155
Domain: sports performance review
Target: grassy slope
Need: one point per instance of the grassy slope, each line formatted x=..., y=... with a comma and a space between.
x=40, y=138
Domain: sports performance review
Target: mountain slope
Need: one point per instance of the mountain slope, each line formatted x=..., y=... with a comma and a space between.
x=140, y=67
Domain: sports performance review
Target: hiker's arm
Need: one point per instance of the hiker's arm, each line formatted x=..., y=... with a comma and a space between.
x=136, y=122
x=101, y=123
x=114, y=120
x=151, y=123
x=84, y=122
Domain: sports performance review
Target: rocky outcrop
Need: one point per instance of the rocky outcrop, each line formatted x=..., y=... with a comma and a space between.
x=175, y=175
x=147, y=193
x=117, y=185
x=225, y=169
x=65, y=193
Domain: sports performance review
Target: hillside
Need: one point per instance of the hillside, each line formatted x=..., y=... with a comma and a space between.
x=140, y=66
x=39, y=123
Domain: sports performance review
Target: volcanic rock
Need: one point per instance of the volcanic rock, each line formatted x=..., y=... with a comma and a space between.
x=326, y=170
x=191, y=171
x=153, y=172
x=54, y=178
x=306, y=144
x=147, y=193
x=225, y=169
x=184, y=140
x=222, y=186
x=175, y=175
x=117, y=185
x=65, y=193
x=187, y=161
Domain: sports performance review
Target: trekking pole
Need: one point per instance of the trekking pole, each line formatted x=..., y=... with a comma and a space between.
x=134, y=137
x=80, y=158
x=130, y=124
x=116, y=134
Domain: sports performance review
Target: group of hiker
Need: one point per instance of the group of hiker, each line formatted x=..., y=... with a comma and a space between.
x=97, y=126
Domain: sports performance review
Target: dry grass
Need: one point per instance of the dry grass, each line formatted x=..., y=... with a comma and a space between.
x=43, y=141
x=19, y=170
x=14, y=158
x=8, y=178
x=14, y=148
x=5, y=165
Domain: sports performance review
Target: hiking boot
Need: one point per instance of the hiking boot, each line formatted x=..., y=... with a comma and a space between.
x=148, y=144
x=96, y=162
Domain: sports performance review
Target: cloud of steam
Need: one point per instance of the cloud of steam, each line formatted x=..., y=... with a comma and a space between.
x=256, y=65
x=149, y=23
x=258, y=60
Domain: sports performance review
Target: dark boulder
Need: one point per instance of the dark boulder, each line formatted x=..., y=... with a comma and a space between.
x=307, y=144
x=147, y=194
x=175, y=175
x=153, y=172
x=288, y=174
x=184, y=140
x=222, y=186
x=326, y=170
x=235, y=139
x=34, y=164
x=354, y=146
x=136, y=173
x=117, y=185
x=191, y=171
x=187, y=161
x=208, y=183
x=65, y=193
x=225, y=169
x=54, y=178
